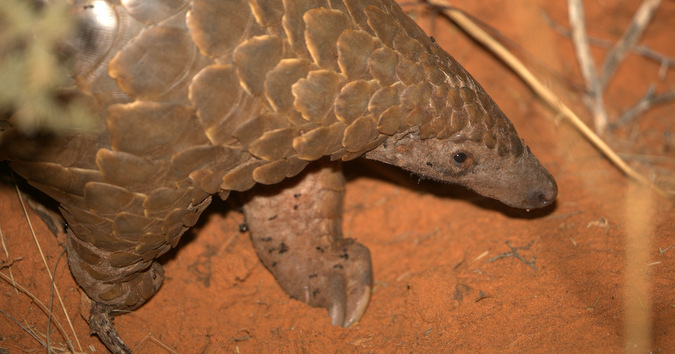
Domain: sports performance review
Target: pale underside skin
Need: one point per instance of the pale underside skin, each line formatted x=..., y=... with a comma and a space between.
x=202, y=97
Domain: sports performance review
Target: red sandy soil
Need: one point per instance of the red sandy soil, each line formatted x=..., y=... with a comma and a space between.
x=604, y=254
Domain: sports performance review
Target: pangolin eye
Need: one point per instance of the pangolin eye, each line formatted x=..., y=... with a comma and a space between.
x=460, y=157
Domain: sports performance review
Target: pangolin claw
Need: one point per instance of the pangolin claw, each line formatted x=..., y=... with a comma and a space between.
x=349, y=291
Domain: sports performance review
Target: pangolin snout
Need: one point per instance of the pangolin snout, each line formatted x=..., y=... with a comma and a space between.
x=542, y=196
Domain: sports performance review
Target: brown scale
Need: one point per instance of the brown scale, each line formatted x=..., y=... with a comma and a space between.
x=324, y=27
x=174, y=55
x=212, y=35
x=382, y=64
x=173, y=129
x=280, y=79
x=202, y=97
x=267, y=12
x=254, y=58
x=352, y=102
x=354, y=48
x=390, y=120
x=319, y=142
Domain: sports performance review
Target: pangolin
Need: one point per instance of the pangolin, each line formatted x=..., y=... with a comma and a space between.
x=201, y=97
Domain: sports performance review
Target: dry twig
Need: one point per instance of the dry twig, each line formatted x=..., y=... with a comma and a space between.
x=647, y=101
x=637, y=26
x=642, y=50
x=583, y=50
x=597, y=83
x=514, y=253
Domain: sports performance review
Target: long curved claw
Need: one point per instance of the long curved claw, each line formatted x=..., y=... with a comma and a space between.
x=357, y=307
x=349, y=290
x=359, y=281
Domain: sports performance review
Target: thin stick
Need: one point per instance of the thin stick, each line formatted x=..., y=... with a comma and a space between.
x=543, y=92
x=580, y=40
x=4, y=248
x=637, y=26
x=58, y=294
x=577, y=19
x=9, y=263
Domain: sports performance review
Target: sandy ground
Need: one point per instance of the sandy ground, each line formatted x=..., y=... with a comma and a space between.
x=597, y=270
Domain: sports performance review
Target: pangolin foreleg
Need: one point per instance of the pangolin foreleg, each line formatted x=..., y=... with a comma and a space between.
x=296, y=230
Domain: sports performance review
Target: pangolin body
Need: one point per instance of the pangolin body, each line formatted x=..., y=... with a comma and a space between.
x=200, y=97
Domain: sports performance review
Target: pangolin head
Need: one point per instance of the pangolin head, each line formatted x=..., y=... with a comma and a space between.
x=472, y=143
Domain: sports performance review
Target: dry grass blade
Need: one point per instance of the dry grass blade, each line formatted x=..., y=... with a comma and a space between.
x=543, y=92
x=39, y=303
x=150, y=337
x=24, y=328
x=51, y=277
x=37, y=334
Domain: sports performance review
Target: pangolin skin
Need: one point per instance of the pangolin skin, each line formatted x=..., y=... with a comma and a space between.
x=203, y=97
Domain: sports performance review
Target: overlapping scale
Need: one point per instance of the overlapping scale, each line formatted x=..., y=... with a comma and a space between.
x=104, y=28
x=153, y=130
x=157, y=64
x=279, y=80
x=267, y=12
x=135, y=173
x=354, y=49
x=218, y=26
x=294, y=25
x=323, y=27
x=253, y=58
x=382, y=65
x=314, y=95
x=352, y=102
